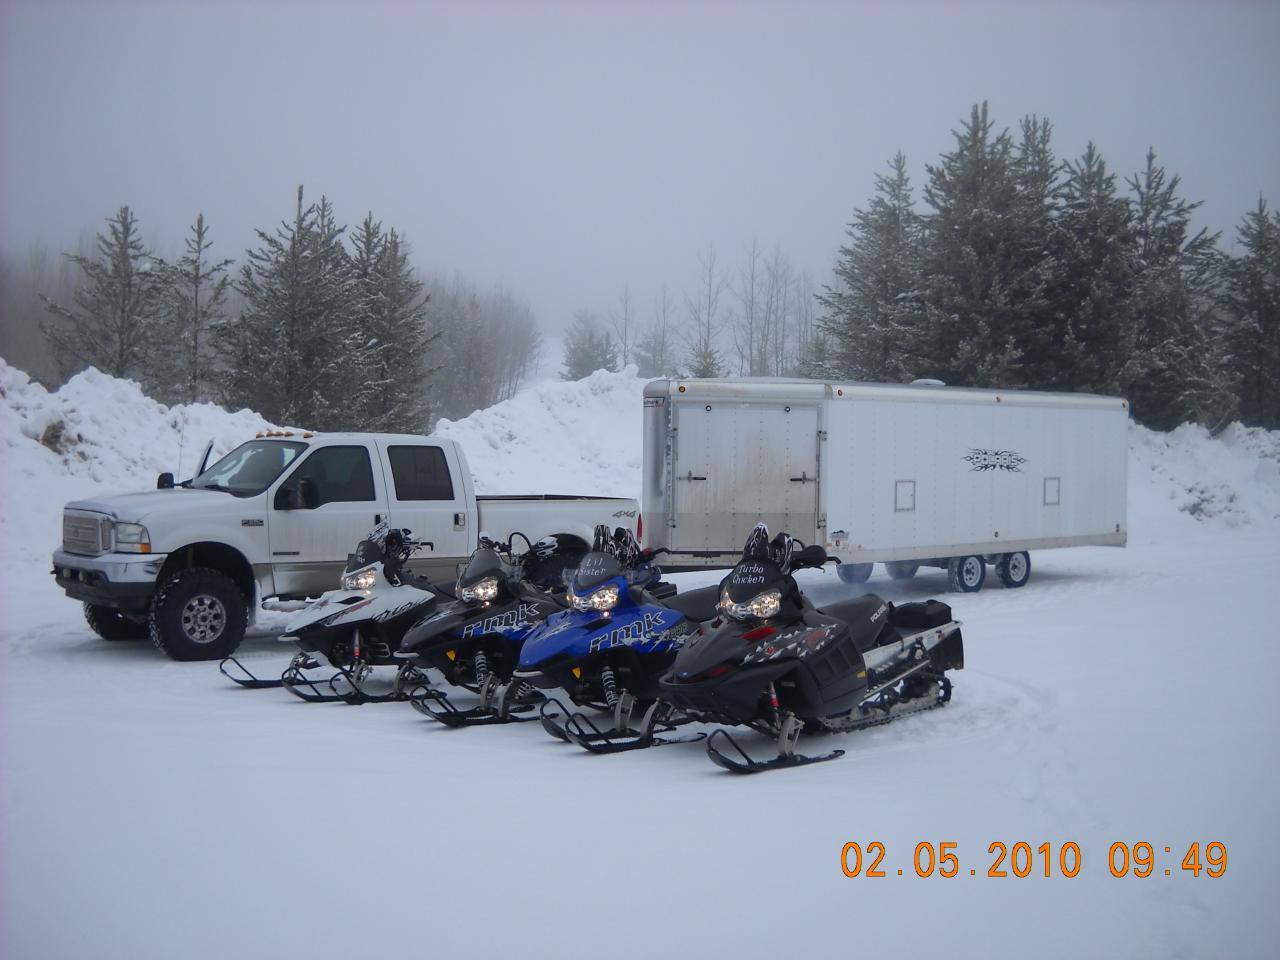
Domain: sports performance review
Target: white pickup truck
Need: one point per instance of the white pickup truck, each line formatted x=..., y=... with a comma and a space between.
x=276, y=518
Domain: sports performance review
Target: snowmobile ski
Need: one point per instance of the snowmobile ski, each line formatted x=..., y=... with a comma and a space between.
x=436, y=704
x=248, y=681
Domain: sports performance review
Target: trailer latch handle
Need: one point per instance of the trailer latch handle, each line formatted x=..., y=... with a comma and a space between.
x=690, y=476
x=803, y=478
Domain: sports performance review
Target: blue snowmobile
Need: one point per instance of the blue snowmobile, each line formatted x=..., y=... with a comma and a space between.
x=607, y=652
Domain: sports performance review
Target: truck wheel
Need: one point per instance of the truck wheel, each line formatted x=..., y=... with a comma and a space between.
x=110, y=624
x=198, y=614
x=901, y=569
x=1014, y=569
x=854, y=572
x=966, y=574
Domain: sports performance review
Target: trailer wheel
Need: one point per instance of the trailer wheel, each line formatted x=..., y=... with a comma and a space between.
x=111, y=624
x=966, y=574
x=1014, y=569
x=854, y=572
x=901, y=569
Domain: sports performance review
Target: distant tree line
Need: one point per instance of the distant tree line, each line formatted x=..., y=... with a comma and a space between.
x=1024, y=270
x=318, y=326
x=1020, y=270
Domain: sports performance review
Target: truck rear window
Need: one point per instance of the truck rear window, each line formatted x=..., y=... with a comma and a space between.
x=420, y=473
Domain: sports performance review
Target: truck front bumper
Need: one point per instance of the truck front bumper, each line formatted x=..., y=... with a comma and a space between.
x=124, y=581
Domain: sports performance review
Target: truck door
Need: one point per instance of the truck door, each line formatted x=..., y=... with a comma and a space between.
x=424, y=494
x=309, y=546
x=737, y=464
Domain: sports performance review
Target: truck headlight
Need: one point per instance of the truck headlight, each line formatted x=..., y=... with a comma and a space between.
x=361, y=580
x=131, y=538
x=483, y=591
x=760, y=607
x=606, y=598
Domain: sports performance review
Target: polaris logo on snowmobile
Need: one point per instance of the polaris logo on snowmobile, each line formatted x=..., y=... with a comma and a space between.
x=1007, y=460
x=636, y=630
x=511, y=620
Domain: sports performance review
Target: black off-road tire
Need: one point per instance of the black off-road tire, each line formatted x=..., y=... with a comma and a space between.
x=110, y=624
x=198, y=614
x=854, y=572
x=966, y=574
x=901, y=569
x=1014, y=569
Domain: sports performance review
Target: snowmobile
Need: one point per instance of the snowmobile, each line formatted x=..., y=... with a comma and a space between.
x=356, y=627
x=780, y=666
x=475, y=641
x=622, y=633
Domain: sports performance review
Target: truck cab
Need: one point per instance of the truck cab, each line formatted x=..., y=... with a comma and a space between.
x=276, y=518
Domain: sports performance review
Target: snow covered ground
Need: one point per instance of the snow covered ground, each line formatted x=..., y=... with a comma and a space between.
x=150, y=809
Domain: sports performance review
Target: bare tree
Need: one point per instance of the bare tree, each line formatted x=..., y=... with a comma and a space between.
x=654, y=353
x=622, y=318
x=707, y=319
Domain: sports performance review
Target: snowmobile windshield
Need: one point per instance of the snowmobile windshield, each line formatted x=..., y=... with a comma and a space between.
x=594, y=570
x=750, y=578
x=484, y=563
x=367, y=552
x=250, y=468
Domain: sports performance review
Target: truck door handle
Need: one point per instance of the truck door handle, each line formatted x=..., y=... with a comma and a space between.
x=803, y=478
x=690, y=476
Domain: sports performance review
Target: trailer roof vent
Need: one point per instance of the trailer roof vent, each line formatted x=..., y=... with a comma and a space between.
x=927, y=382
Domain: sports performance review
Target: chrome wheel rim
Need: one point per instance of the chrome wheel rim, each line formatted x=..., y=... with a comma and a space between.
x=1017, y=568
x=204, y=618
x=971, y=571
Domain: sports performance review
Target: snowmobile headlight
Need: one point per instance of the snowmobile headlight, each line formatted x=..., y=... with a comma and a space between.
x=131, y=538
x=483, y=591
x=760, y=607
x=606, y=598
x=361, y=580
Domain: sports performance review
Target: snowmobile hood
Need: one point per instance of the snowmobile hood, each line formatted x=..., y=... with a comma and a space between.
x=152, y=504
x=731, y=644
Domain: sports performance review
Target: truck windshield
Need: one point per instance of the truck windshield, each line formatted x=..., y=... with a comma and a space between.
x=250, y=468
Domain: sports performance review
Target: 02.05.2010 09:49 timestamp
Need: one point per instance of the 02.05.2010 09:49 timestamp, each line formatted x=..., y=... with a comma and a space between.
x=1022, y=859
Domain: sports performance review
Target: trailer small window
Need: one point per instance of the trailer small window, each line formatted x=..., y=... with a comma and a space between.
x=904, y=496
x=1052, y=491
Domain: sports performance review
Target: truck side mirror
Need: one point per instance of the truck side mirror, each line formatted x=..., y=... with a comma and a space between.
x=308, y=495
x=164, y=481
x=286, y=499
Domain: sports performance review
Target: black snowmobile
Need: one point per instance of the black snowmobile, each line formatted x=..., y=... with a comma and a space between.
x=608, y=651
x=475, y=641
x=780, y=666
x=356, y=627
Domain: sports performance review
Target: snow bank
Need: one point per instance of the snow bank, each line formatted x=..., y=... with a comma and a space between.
x=94, y=435
x=554, y=437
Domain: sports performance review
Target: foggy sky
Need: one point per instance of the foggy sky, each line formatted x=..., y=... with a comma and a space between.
x=570, y=149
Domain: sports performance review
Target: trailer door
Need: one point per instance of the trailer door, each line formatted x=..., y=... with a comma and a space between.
x=737, y=464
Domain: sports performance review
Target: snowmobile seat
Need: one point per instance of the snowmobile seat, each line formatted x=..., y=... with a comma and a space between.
x=858, y=613
x=921, y=616
x=698, y=605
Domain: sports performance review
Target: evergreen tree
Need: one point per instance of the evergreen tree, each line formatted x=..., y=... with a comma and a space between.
x=391, y=395
x=1173, y=372
x=587, y=348
x=194, y=294
x=872, y=314
x=112, y=321
x=1094, y=249
x=1252, y=303
x=291, y=349
x=970, y=246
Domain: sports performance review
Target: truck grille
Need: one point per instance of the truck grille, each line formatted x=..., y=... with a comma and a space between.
x=81, y=534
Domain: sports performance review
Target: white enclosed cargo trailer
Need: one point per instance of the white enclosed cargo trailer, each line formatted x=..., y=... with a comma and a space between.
x=909, y=475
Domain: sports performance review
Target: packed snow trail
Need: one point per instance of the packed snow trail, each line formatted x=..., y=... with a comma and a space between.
x=153, y=809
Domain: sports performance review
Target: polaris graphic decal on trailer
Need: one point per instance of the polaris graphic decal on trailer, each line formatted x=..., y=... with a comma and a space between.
x=995, y=460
